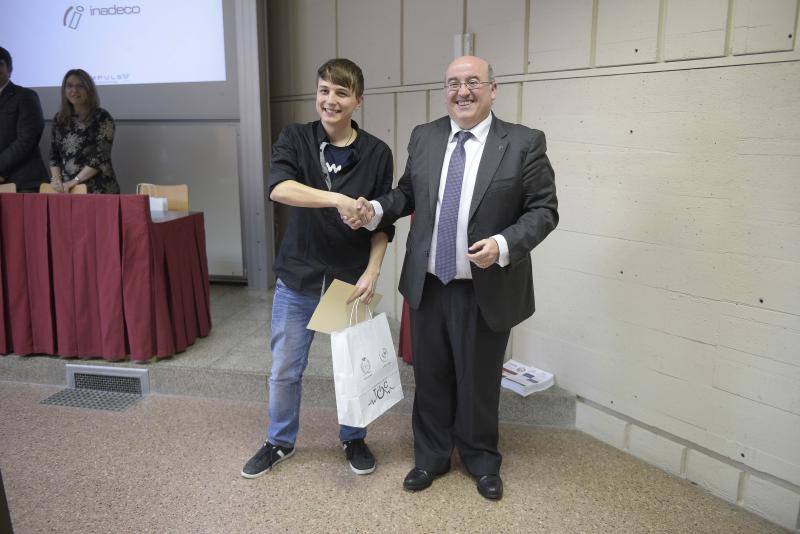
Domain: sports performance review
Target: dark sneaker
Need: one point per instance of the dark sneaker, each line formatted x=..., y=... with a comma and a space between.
x=267, y=456
x=358, y=454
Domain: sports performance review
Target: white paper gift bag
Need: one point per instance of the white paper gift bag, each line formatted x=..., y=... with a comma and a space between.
x=365, y=372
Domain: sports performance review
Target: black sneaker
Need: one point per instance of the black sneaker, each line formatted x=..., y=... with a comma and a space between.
x=267, y=456
x=358, y=454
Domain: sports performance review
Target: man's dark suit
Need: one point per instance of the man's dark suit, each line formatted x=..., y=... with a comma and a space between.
x=514, y=196
x=21, y=126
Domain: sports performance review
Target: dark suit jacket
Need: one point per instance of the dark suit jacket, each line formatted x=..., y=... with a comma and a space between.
x=515, y=195
x=21, y=125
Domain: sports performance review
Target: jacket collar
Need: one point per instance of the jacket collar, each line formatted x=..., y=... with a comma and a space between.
x=493, y=150
x=321, y=135
x=8, y=90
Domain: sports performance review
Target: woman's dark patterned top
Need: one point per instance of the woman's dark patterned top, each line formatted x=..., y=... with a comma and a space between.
x=86, y=143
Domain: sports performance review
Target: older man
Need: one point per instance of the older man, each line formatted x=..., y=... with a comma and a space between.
x=484, y=196
x=21, y=125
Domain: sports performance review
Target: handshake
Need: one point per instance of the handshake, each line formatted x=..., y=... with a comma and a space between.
x=355, y=213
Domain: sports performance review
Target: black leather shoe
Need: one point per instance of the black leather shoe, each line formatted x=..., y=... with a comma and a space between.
x=419, y=479
x=491, y=487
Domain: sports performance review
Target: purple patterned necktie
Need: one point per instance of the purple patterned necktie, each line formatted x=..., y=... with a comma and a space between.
x=448, y=213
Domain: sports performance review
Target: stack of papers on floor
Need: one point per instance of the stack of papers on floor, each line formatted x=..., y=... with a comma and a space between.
x=525, y=379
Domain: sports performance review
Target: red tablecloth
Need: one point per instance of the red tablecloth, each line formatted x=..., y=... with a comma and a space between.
x=405, y=349
x=93, y=276
x=405, y=335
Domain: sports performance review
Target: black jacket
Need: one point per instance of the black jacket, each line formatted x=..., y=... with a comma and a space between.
x=515, y=195
x=21, y=125
x=317, y=245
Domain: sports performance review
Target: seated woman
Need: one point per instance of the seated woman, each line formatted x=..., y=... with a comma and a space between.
x=83, y=133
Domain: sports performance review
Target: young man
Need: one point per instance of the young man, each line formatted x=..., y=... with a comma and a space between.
x=318, y=169
x=21, y=125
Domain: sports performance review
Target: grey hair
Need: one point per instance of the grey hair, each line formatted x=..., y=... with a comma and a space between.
x=491, y=72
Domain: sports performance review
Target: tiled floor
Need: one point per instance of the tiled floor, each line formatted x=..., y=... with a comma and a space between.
x=171, y=465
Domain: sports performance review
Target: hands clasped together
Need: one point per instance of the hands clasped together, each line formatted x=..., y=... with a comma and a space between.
x=61, y=186
x=356, y=213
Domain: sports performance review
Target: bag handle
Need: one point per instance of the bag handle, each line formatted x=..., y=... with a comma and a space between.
x=354, y=310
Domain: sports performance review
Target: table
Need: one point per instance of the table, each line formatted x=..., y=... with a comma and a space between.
x=94, y=276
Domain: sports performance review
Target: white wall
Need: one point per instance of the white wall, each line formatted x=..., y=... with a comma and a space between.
x=670, y=292
x=204, y=155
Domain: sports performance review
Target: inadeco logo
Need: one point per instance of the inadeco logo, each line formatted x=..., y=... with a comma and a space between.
x=73, y=14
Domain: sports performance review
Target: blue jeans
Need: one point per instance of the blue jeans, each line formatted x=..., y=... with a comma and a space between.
x=290, y=343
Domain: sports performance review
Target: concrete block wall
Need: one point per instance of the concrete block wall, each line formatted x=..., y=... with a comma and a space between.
x=670, y=292
x=731, y=481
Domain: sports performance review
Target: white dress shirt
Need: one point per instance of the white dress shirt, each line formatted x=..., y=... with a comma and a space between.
x=473, y=150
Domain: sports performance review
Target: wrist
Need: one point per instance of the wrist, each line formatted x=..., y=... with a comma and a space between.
x=370, y=209
x=340, y=200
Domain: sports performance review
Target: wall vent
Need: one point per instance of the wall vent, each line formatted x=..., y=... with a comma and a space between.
x=101, y=387
x=108, y=378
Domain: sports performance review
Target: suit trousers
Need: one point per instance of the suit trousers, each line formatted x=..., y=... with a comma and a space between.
x=458, y=362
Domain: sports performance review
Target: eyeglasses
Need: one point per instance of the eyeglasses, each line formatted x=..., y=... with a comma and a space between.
x=472, y=85
x=78, y=86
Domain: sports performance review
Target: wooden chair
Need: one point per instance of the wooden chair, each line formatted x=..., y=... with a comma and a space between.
x=8, y=188
x=79, y=189
x=177, y=195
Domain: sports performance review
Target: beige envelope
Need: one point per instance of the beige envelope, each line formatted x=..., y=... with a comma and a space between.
x=333, y=312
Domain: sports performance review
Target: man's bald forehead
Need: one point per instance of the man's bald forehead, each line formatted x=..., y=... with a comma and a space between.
x=478, y=62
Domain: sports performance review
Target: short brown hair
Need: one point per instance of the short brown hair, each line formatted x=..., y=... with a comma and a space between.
x=343, y=72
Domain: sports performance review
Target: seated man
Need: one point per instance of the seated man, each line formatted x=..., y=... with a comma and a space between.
x=21, y=125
